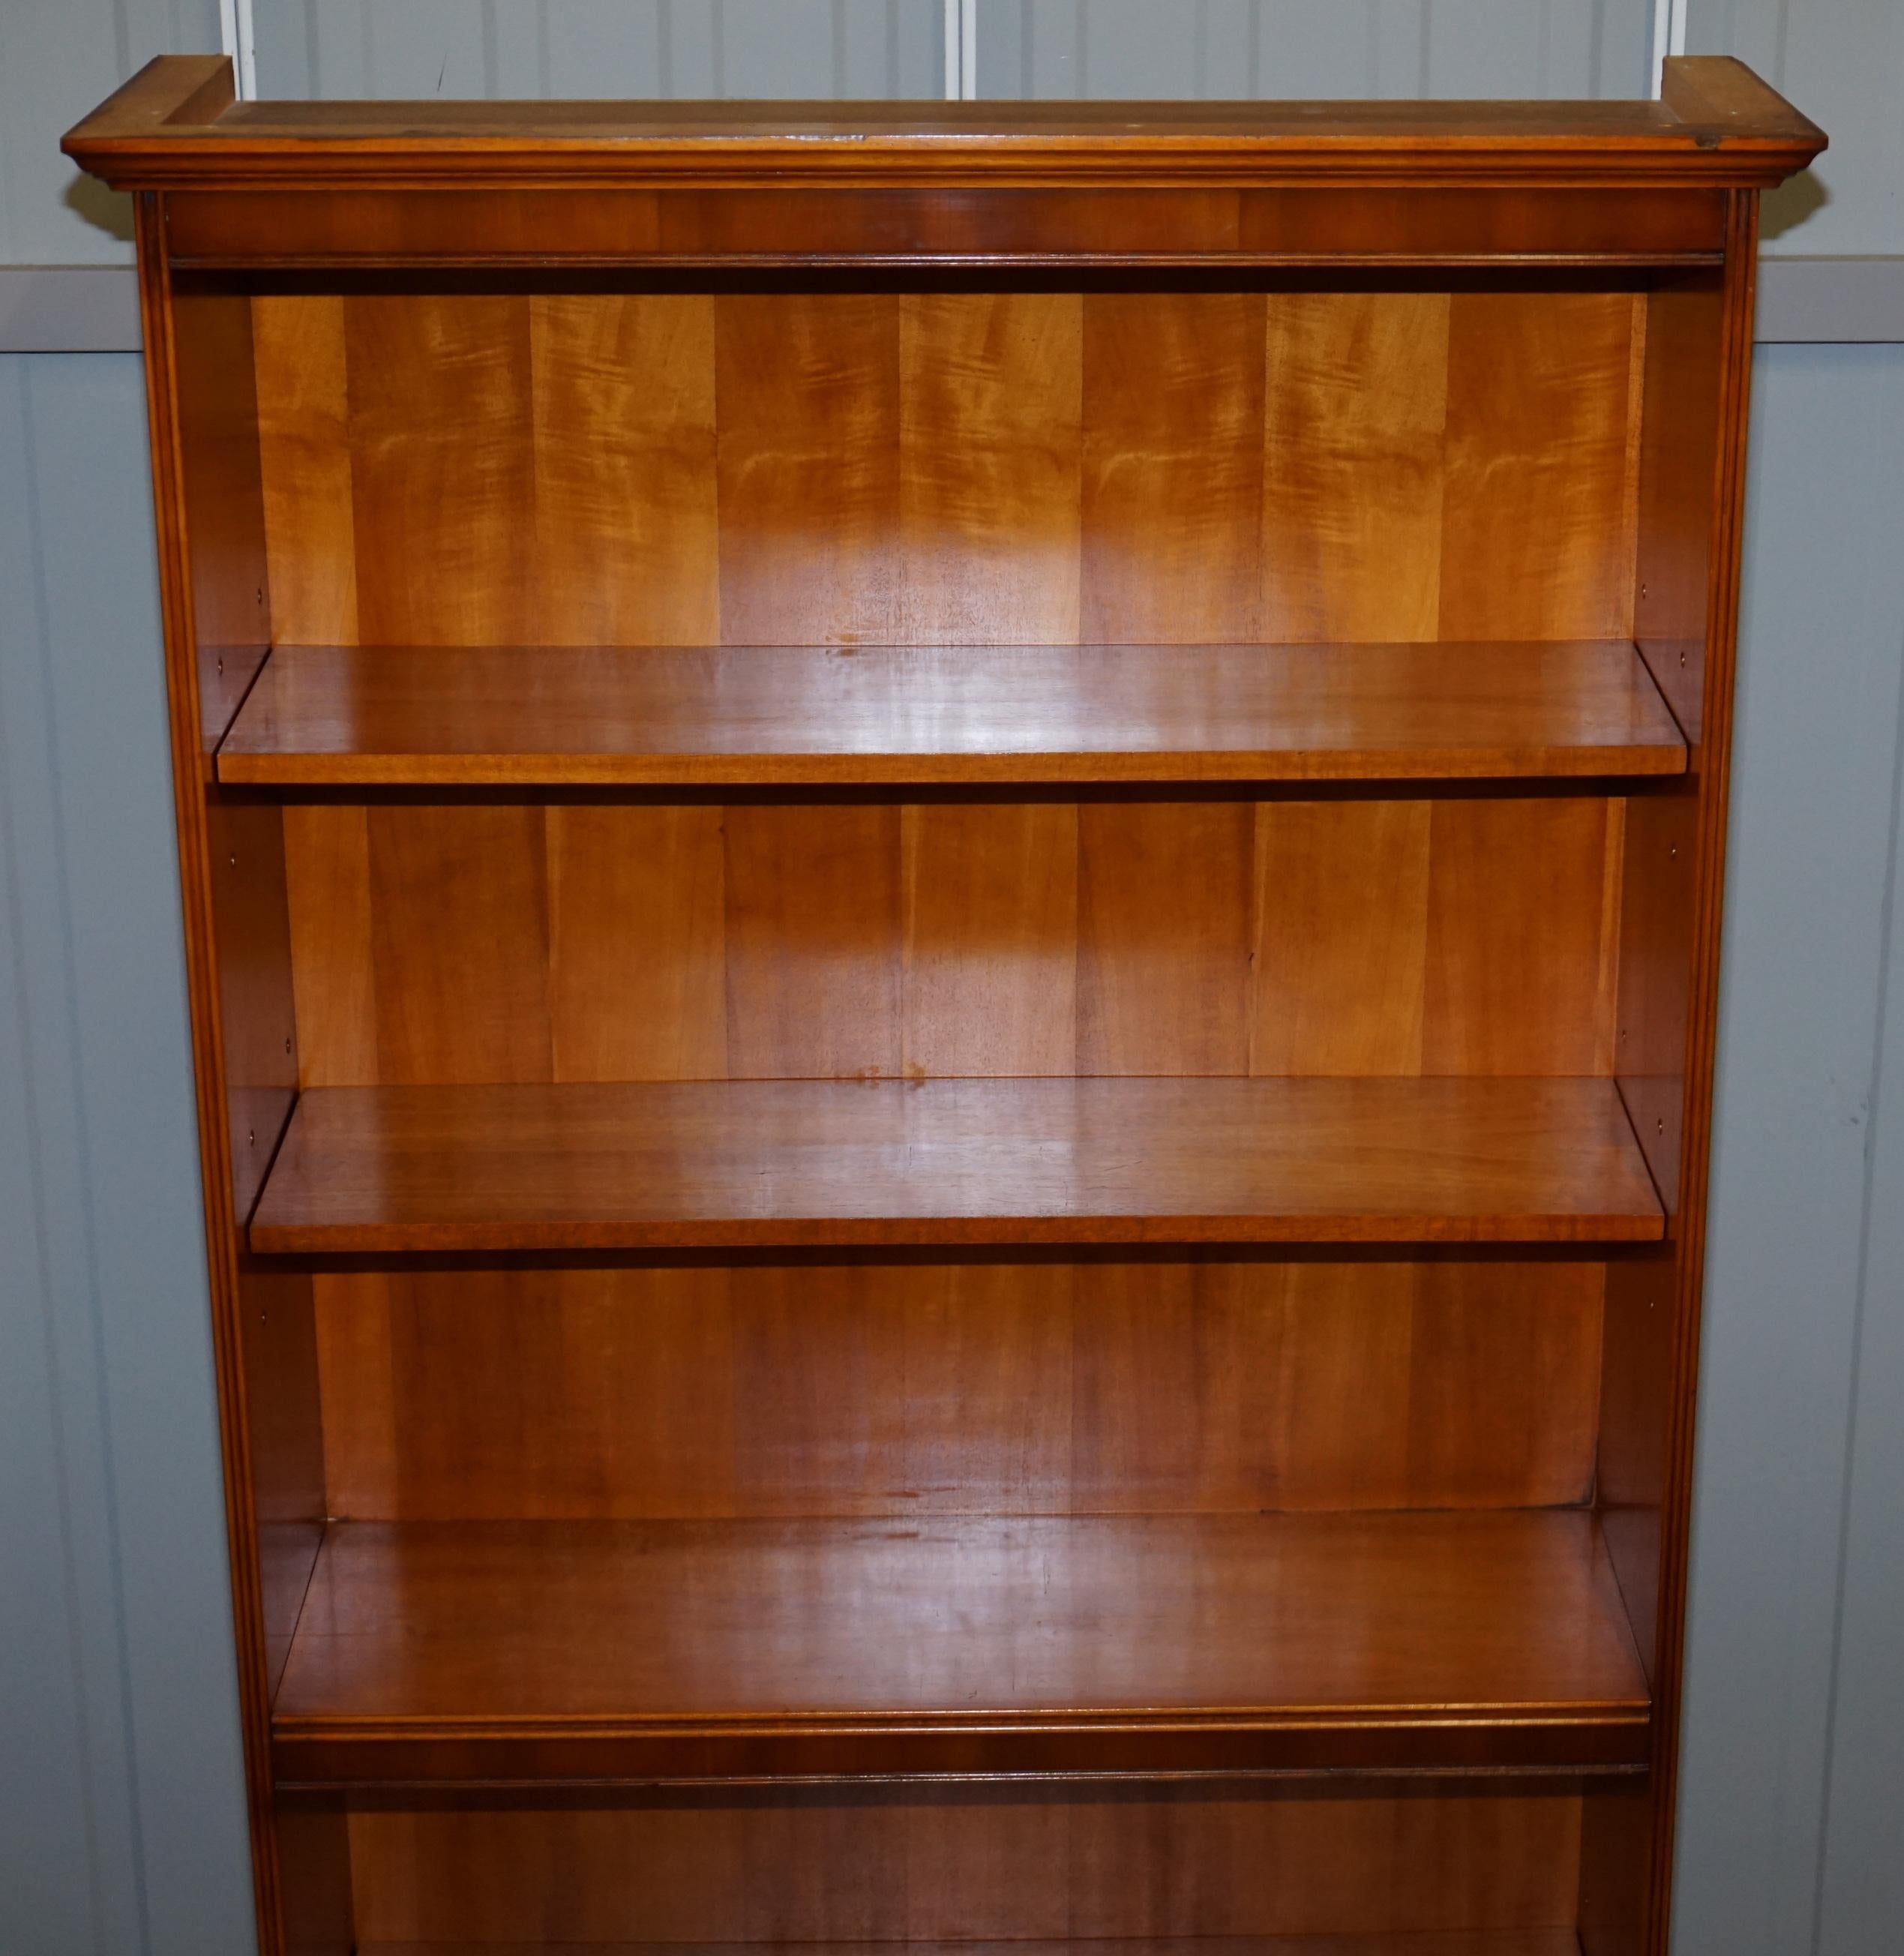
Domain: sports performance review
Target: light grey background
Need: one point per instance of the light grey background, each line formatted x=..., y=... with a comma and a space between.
x=122, y=1818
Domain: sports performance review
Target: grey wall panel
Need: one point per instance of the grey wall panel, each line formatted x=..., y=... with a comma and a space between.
x=121, y=1816
x=57, y=58
x=1822, y=653
x=583, y=48
x=1861, y=1910
x=1282, y=48
x=1843, y=62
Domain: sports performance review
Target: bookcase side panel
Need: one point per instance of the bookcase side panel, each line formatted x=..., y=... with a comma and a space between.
x=216, y=588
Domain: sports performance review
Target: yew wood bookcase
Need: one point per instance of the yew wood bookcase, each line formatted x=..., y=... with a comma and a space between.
x=952, y=878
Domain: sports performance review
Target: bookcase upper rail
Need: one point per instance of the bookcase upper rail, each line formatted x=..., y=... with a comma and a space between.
x=177, y=125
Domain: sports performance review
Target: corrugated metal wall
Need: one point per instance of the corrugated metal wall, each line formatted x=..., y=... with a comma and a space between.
x=121, y=1819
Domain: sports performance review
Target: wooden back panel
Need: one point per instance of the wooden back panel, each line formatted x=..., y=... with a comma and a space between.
x=463, y=468
x=972, y=1388
x=438, y=943
x=1382, y=1858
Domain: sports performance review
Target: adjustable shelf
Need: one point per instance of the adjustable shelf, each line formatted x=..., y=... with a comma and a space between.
x=394, y=1170
x=760, y=1649
x=1453, y=1942
x=550, y=715
x=776, y=710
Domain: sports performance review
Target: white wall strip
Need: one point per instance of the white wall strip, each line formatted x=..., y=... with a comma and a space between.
x=239, y=39
x=961, y=50
x=1669, y=35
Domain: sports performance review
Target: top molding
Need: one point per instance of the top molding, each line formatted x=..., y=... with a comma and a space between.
x=177, y=125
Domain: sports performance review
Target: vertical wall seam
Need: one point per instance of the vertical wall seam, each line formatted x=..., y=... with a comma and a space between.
x=1860, y=1311
x=56, y=839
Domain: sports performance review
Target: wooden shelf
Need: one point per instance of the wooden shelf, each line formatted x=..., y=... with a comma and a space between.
x=1455, y=1942
x=376, y=1170
x=544, y=715
x=523, y=1651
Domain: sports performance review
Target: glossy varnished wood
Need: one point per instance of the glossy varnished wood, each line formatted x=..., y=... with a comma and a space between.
x=1474, y=1942
x=453, y=942
x=984, y=469
x=521, y=715
x=176, y=125
x=733, y=1648
x=1370, y=1857
x=791, y=1162
x=976, y=1387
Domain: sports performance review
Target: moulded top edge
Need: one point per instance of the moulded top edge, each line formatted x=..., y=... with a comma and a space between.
x=177, y=123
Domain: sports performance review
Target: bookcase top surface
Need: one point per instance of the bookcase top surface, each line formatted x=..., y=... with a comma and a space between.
x=176, y=124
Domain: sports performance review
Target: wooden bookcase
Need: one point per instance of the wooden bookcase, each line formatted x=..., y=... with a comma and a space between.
x=952, y=878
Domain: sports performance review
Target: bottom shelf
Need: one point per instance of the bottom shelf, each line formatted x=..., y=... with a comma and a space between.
x=599, y=1651
x=1508, y=1942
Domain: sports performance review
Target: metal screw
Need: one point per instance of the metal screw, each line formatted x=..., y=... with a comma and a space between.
x=287, y=1047
x=221, y=667
x=1673, y=852
x=251, y=1137
x=1660, y=1127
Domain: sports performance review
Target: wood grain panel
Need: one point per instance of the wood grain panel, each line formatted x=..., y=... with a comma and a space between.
x=1522, y=936
x=443, y=468
x=460, y=931
x=957, y=1388
x=525, y=716
x=1342, y=934
x=1173, y=1339
x=813, y=937
x=1504, y=1375
x=811, y=1163
x=304, y=450
x=946, y=938
x=1164, y=937
x=543, y=1394
x=989, y=1422
x=371, y=1448
x=1337, y=1342
x=327, y=879
x=1138, y=1862
x=627, y=550
x=214, y=379
x=700, y=1648
x=809, y=468
x=1682, y=427
x=1356, y=404
x=991, y=396
x=990, y=898
x=1172, y=483
x=961, y=467
x=637, y=942
x=819, y=1389
x=1537, y=516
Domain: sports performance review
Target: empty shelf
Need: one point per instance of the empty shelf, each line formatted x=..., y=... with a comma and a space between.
x=366, y=1170
x=506, y=1650
x=549, y=714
